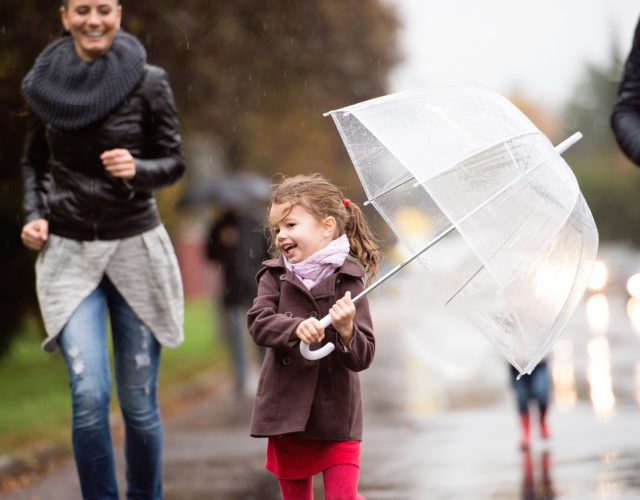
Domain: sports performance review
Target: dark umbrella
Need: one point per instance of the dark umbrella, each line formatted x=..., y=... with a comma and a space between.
x=230, y=190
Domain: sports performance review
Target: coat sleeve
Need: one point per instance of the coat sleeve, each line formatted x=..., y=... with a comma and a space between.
x=163, y=163
x=625, y=119
x=268, y=327
x=33, y=165
x=360, y=354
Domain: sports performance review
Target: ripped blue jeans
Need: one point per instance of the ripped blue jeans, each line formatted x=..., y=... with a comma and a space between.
x=83, y=343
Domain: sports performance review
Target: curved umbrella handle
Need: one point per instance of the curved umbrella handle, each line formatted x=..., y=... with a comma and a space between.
x=325, y=350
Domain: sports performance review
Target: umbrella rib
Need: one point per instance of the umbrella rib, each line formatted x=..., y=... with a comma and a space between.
x=455, y=294
x=368, y=202
x=453, y=165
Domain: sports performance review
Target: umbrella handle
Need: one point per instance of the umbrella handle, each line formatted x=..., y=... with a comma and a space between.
x=325, y=350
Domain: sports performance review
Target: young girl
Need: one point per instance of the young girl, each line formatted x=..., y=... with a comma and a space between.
x=311, y=411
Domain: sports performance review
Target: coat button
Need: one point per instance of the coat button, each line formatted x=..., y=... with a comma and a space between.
x=314, y=314
x=286, y=361
x=283, y=276
x=288, y=314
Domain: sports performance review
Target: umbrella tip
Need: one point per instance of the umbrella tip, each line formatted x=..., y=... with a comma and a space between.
x=568, y=142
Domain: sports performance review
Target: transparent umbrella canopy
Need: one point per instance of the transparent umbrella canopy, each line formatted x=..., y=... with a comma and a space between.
x=485, y=201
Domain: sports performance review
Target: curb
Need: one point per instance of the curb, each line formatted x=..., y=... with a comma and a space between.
x=18, y=469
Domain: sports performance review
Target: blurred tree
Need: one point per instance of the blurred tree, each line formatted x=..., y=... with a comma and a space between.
x=610, y=182
x=24, y=30
x=256, y=75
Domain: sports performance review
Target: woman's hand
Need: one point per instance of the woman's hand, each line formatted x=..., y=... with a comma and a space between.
x=35, y=233
x=342, y=314
x=119, y=163
x=309, y=331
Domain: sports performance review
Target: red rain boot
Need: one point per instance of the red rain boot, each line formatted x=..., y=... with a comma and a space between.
x=525, y=426
x=544, y=430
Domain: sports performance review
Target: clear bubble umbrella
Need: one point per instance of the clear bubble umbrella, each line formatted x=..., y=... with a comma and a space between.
x=503, y=227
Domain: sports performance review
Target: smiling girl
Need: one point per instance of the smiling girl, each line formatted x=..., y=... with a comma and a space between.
x=312, y=411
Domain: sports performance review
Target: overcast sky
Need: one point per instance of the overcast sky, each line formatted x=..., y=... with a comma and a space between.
x=538, y=48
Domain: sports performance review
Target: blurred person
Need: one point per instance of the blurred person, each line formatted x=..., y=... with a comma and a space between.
x=625, y=119
x=237, y=242
x=533, y=389
x=102, y=134
x=311, y=412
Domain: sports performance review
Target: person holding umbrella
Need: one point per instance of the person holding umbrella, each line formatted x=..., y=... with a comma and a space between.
x=311, y=413
x=102, y=135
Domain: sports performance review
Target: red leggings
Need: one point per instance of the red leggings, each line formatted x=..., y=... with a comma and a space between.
x=340, y=483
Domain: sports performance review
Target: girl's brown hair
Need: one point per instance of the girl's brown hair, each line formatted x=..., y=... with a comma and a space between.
x=322, y=199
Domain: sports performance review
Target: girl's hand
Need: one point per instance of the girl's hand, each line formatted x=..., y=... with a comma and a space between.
x=309, y=331
x=35, y=233
x=342, y=314
x=119, y=163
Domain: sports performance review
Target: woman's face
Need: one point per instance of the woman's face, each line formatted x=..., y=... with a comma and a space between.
x=93, y=25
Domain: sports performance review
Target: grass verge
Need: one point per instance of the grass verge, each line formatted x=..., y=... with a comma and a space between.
x=34, y=393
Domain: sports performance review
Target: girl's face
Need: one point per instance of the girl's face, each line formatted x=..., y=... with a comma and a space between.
x=298, y=234
x=93, y=24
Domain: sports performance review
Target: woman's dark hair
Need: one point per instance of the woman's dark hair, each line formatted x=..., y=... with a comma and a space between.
x=65, y=3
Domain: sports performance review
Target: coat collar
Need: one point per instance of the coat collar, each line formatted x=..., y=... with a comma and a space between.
x=351, y=266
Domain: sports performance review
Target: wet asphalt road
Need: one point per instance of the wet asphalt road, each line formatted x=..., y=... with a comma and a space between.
x=440, y=423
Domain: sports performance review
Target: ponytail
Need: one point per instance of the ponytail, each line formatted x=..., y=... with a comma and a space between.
x=364, y=246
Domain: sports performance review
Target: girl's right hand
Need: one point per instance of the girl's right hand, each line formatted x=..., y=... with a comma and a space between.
x=35, y=233
x=310, y=331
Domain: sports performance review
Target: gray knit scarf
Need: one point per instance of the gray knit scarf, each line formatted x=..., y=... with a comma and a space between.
x=69, y=93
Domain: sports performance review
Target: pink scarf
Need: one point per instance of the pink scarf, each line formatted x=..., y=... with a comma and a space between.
x=321, y=264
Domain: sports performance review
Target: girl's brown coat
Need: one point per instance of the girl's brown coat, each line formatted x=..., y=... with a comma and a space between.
x=317, y=399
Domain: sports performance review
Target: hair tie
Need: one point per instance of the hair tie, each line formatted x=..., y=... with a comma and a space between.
x=346, y=202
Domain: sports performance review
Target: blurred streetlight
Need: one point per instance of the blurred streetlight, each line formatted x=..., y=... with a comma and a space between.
x=633, y=286
x=599, y=277
x=598, y=313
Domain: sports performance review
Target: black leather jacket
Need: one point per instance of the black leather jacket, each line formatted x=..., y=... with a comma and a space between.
x=626, y=112
x=66, y=183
